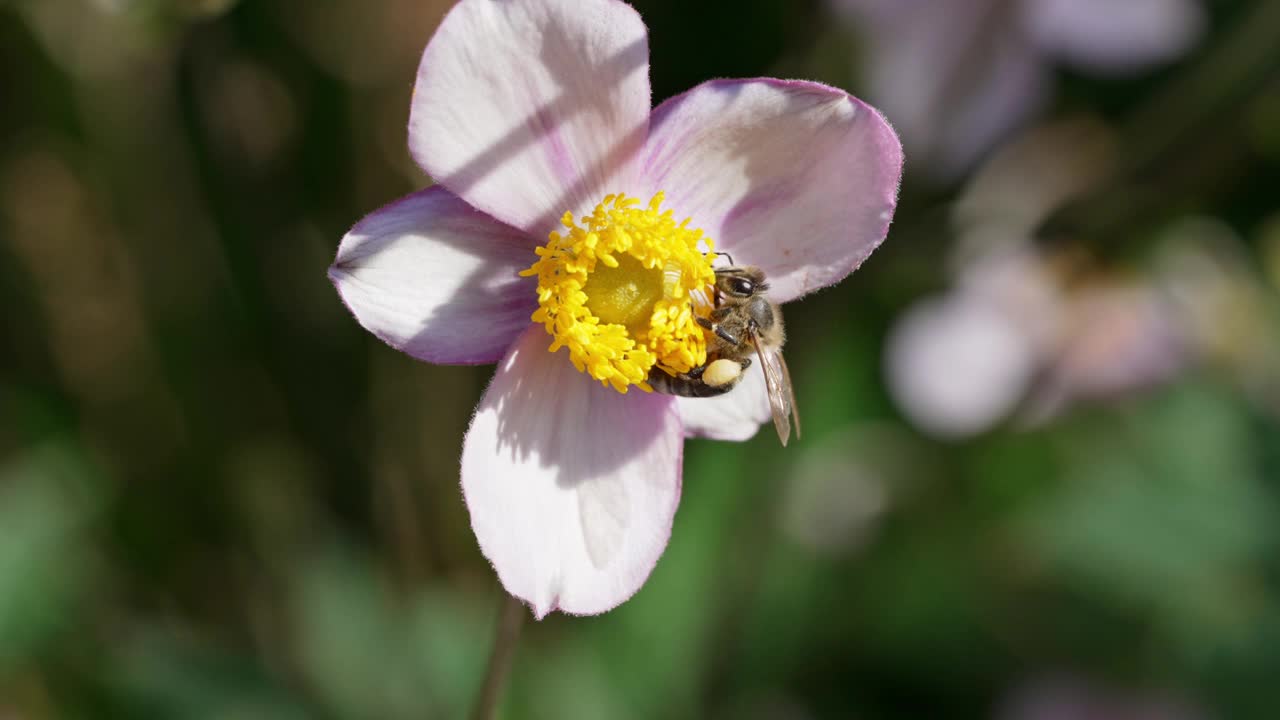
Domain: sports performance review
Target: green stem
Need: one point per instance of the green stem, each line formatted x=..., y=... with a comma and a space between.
x=505, y=638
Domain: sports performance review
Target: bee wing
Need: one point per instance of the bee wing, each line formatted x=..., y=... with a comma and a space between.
x=777, y=380
x=791, y=393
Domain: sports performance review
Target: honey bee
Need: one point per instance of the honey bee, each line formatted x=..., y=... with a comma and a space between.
x=743, y=323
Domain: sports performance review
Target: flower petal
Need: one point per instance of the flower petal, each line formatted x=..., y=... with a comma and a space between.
x=572, y=487
x=1103, y=35
x=736, y=415
x=437, y=279
x=796, y=177
x=529, y=109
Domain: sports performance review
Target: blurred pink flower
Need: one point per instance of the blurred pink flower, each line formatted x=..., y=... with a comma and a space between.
x=1116, y=339
x=525, y=110
x=1009, y=338
x=1021, y=331
x=956, y=76
x=957, y=364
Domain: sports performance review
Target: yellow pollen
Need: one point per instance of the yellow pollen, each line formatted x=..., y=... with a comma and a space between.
x=621, y=288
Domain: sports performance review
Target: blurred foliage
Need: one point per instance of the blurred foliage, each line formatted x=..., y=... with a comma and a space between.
x=219, y=498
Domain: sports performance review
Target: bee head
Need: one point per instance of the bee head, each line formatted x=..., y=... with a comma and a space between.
x=740, y=282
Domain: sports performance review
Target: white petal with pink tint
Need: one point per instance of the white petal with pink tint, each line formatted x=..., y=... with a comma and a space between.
x=529, y=109
x=736, y=415
x=433, y=277
x=796, y=177
x=572, y=487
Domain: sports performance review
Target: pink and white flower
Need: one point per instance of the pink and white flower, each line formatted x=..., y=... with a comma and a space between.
x=526, y=110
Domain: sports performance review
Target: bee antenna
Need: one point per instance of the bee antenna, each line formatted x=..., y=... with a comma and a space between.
x=731, y=262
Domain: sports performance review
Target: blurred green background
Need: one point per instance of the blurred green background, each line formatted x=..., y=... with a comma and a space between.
x=1040, y=472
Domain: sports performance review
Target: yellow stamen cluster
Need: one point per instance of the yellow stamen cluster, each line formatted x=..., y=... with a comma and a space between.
x=619, y=289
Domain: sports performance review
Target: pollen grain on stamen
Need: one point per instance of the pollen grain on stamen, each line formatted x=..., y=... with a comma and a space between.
x=616, y=287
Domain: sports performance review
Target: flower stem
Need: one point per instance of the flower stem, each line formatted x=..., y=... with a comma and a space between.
x=510, y=618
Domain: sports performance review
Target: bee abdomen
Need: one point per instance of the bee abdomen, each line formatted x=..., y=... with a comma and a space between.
x=695, y=384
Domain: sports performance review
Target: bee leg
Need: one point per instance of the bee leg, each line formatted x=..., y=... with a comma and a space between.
x=713, y=327
x=745, y=363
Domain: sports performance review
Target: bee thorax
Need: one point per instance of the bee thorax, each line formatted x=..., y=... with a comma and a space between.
x=762, y=312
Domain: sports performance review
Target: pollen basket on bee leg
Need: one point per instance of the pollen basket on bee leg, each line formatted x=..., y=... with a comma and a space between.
x=721, y=372
x=622, y=288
